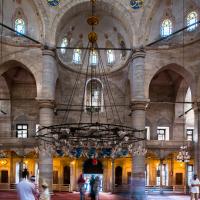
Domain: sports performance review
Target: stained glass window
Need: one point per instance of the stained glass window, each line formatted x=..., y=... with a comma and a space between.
x=93, y=58
x=20, y=26
x=94, y=96
x=64, y=44
x=110, y=56
x=166, y=28
x=192, y=18
x=77, y=56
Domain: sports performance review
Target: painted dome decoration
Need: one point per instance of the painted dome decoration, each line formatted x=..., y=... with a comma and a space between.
x=53, y=2
x=136, y=4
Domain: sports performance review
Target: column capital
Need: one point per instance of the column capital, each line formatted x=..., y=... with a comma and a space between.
x=48, y=51
x=46, y=103
x=139, y=53
x=196, y=106
x=139, y=104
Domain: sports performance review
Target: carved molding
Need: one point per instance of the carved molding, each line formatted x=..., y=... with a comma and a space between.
x=140, y=52
x=139, y=104
x=48, y=51
x=46, y=103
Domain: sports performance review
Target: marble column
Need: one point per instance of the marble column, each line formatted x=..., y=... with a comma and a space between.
x=138, y=165
x=161, y=178
x=138, y=107
x=113, y=175
x=46, y=99
x=45, y=156
x=136, y=74
x=49, y=74
x=196, y=137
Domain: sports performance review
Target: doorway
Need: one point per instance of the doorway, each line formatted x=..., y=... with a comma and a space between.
x=90, y=169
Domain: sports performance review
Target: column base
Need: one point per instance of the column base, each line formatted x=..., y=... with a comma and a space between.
x=138, y=187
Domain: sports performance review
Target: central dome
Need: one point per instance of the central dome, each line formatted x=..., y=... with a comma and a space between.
x=73, y=33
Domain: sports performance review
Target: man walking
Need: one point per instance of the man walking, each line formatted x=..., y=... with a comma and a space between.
x=195, y=183
x=25, y=189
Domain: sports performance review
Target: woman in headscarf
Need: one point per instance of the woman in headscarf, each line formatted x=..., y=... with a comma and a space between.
x=81, y=185
x=45, y=195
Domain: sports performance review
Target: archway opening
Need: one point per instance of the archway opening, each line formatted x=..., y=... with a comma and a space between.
x=92, y=170
x=118, y=175
x=66, y=175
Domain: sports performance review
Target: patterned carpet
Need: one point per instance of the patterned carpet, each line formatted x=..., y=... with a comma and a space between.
x=103, y=196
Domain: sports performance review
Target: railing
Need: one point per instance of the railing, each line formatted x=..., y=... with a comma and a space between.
x=61, y=187
x=13, y=186
x=169, y=144
x=12, y=142
x=125, y=188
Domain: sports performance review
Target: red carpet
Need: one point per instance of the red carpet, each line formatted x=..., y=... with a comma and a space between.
x=62, y=196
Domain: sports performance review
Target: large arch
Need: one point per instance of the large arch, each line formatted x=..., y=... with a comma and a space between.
x=22, y=92
x=146, y=20
x=27, y=62
x=185, y=74
x=114, y=8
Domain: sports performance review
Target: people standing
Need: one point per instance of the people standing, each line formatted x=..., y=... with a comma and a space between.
x=195, y=183
x=96, y=187
x=36, y=194
x=81, y=186
x=25, y=189
x=92, y=192
x=45, y=195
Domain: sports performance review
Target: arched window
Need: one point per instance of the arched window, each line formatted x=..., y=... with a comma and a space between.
x=93, y=58
x=64, y=44
x=166, y=28
x=110, y=57
x=94, y=96
x=20, y=26
x=192, y=18
x=77, y=56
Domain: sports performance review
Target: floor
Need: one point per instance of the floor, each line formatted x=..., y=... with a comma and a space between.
x=103, y=196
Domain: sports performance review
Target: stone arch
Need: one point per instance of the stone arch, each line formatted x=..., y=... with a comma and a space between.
x=163, y=122
x=198, y=88
x=22, y=86
x=185, y=74
x=146, y=20
x=26, y=62
x=114, y=6
x=43, y=15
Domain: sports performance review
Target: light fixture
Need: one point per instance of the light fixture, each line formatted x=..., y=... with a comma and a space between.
x=2, y=154
x=3, y=161
x=183, y=155
x=99, y=130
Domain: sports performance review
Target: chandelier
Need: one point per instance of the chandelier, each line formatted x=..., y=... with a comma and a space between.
x=99, y=131
x=3, y=160
x=183, y=155
x=2, y=154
